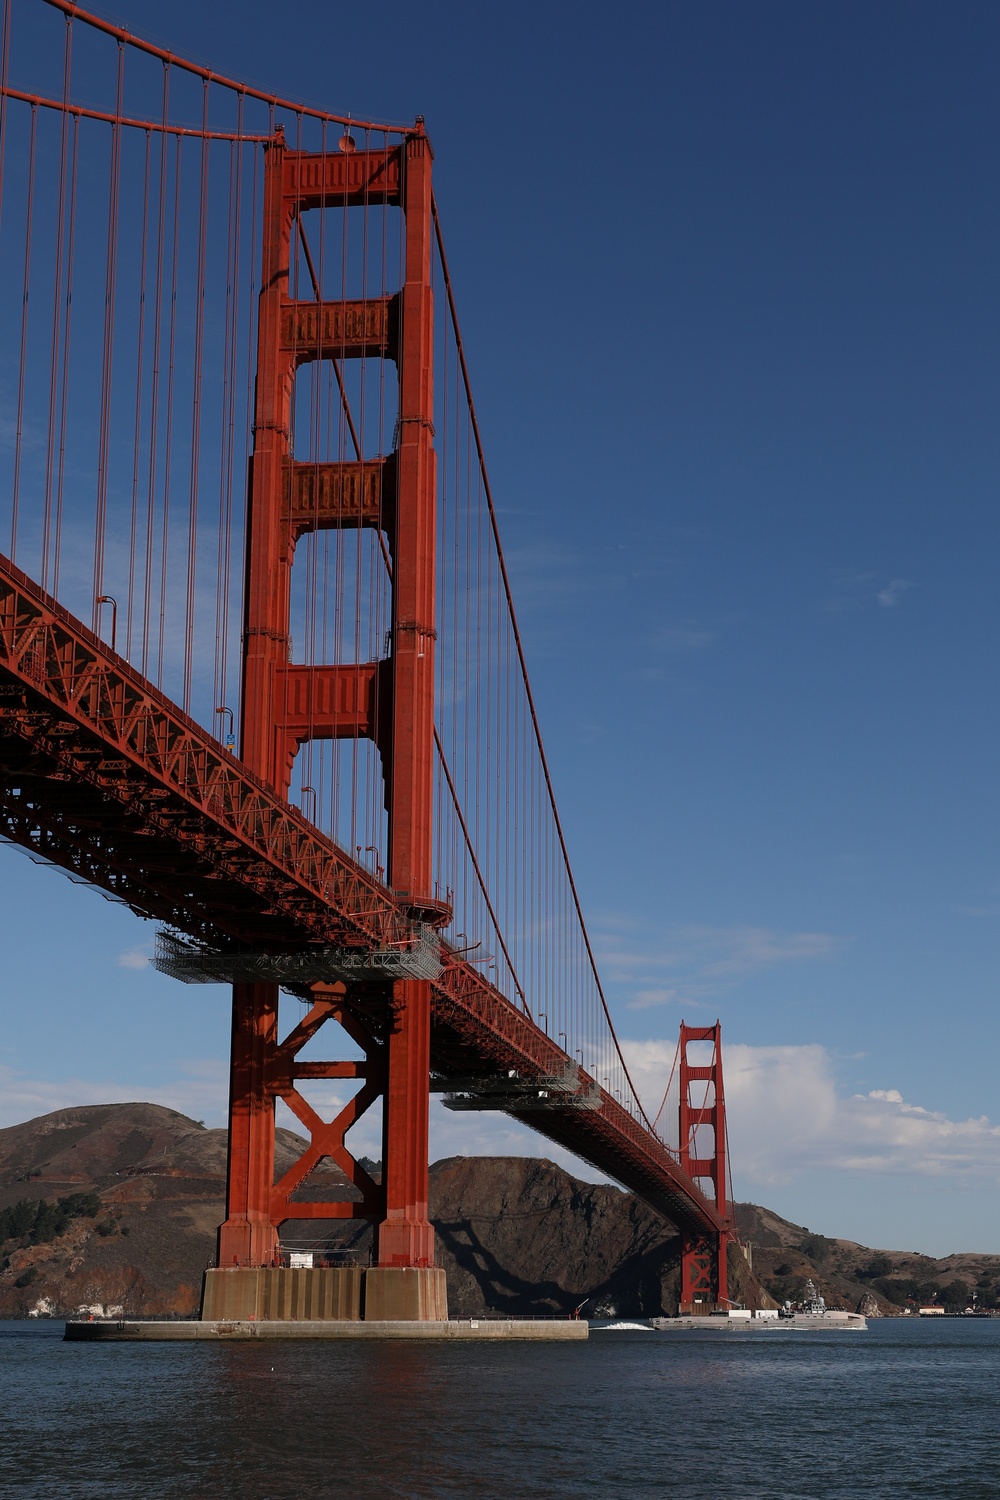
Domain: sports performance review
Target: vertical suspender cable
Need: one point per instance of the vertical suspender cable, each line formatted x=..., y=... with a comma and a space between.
x=4, y=71
x=168, y=429
x=137, y=433
x=257, y=171
x=154, y=395
x=67, y=328
x=228, y=435
x=360, y=582
x=57, y=309
x=221, y=593
x=29, y=212
x=231, y=428
x=107, y=366
x=199, y=354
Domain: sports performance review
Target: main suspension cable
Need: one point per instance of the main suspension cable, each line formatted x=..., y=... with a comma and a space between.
x=515, y=630
x=210, y=76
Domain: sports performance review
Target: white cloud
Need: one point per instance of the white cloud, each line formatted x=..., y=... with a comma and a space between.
x=135, y=958
x=697, y=962
x=787, y=1118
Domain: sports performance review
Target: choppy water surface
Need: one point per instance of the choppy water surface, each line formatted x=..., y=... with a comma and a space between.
x=906, y=1409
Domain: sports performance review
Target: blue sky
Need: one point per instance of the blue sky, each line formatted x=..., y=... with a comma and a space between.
x=727, y=276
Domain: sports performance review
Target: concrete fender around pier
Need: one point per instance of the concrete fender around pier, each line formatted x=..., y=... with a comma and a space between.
x=125, y=1331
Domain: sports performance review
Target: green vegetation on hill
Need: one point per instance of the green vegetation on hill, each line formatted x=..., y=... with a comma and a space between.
x=954, y=1296
x=37, y=1222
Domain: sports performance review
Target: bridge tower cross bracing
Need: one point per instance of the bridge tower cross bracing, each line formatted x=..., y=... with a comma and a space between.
x=389, y=701
x=704, y=1270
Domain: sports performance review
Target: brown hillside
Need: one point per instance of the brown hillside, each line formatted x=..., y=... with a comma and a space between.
x=515, y=1234
x=160, y=1178
x=847, y=1274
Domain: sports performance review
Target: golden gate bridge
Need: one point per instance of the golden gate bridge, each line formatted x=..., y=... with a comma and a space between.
x=261, y=676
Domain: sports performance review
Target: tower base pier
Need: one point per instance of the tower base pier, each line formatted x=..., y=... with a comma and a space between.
x=276, y=1292
x=320, y=1294
x=396, y=1293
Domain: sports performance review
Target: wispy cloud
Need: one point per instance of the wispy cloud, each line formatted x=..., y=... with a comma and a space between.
x=697, y=962
x=894, y=590
x=682, y=638
x=853, y=592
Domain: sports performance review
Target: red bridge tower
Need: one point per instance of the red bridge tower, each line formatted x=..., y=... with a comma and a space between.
x=704, y=1278
x=389, y=701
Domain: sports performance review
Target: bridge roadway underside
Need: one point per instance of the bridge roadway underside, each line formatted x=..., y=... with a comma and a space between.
x=103, y=776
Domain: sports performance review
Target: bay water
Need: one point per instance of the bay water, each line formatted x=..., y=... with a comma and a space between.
x=910, y=1408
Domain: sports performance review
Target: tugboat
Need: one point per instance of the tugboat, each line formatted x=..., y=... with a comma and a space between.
x=813, y=1314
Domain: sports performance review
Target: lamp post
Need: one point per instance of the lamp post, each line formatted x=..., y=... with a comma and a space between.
x=108, y=599
x=230, y=739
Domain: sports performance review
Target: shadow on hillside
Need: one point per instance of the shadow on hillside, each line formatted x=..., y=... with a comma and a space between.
x=635, y=1287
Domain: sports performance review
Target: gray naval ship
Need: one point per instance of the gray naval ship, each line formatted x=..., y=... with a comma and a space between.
x=810, y=1316
x=813, y=1313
